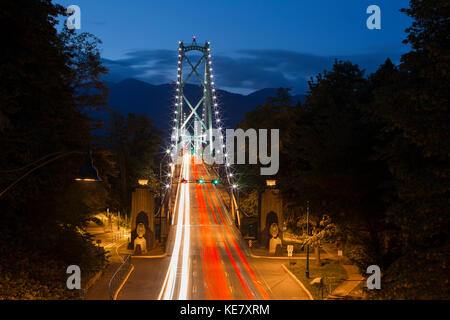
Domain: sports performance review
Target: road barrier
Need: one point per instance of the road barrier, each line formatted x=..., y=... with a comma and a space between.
x=120, y=276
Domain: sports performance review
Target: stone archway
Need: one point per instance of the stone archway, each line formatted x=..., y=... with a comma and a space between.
x=271, y=217
x=142, y=218
x=270, y=211
x=142, y=211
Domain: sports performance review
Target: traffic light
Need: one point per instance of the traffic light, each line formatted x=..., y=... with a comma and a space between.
x=200, y=181
x=215, y=181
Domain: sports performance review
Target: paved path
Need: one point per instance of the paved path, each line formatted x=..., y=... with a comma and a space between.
x=280, y=285
x=207, y=258
x=354, y=278
x=111, y=242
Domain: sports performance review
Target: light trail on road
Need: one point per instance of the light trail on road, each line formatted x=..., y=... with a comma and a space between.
x=236, y=247
x=213, y=272
x=206, y=260
x=168, y=289
x=186, y=228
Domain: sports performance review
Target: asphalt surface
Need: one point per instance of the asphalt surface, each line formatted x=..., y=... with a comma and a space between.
x=207, y=258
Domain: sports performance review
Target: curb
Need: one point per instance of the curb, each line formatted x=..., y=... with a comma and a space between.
x=298, y=282
x=123, y=283
x=92, y=281
x=280, y=258
x=150, y=257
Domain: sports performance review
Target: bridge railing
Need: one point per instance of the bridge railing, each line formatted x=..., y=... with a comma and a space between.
x=118, y=278
x=164, y=198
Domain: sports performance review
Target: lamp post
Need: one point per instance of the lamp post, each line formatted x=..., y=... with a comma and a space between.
x=88, y=172
x=307, y=234
x=118, y=221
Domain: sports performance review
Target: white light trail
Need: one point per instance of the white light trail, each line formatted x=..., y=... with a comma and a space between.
x=186, y=227
x=182, y=231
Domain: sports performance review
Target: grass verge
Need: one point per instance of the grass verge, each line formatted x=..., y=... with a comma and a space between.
x=330, y=271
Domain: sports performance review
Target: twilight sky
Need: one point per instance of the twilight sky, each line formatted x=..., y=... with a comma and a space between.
x=255, y=44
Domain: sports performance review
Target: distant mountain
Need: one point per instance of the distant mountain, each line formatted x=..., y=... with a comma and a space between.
x=157, y=101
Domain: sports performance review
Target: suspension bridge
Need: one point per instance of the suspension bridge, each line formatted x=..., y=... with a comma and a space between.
x=207, y=258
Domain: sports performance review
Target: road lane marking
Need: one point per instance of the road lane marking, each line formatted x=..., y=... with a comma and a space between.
x=247, y=291
x=216, y=286
x=239, y=252
x=167, y=291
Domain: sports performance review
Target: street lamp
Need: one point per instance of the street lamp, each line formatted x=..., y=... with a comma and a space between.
x=307, y=235
x=271, y=183
x=88, y=172
x=143, y=182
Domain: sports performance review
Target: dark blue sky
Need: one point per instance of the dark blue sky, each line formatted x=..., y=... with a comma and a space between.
x=255, y=43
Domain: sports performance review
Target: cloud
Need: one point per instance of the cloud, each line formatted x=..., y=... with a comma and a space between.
x=245, y=69
x=153, y=66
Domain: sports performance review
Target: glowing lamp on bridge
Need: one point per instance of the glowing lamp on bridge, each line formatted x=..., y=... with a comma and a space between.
x=143, y=182
x=271, y=183
x=215, y=181
x=200, y=181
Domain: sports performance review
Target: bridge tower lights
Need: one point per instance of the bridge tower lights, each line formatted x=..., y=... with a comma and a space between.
x=185, y=121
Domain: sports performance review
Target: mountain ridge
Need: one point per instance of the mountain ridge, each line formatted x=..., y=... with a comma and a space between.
x=135, y=96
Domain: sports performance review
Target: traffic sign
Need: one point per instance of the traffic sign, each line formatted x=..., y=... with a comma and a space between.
x=290, y=250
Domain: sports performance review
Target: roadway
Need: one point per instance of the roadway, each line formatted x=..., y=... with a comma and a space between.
x=207, y=258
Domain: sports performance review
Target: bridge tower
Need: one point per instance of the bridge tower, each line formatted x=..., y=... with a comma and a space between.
x=188, y=117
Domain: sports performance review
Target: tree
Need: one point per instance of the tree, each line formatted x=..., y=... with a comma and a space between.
x=412, y=108
x=276, y=113
x=135, y=142
x=49, y=83
x=330, y=157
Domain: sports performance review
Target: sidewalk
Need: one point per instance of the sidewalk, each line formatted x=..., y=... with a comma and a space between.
x=348, y=288
x=111, y=241
x=100, y=289
x=280, y=284
x=264, y=253
x=154, y=253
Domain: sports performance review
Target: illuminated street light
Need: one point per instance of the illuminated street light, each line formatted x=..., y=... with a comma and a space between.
x=88, y=172
x=143, y=182
x=271, y=183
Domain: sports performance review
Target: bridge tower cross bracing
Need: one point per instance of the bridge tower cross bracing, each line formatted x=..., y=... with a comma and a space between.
x=187, y=114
